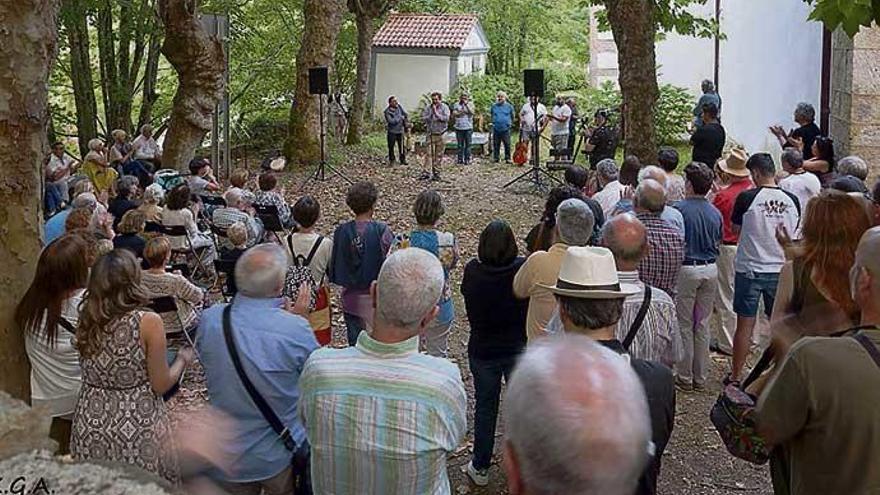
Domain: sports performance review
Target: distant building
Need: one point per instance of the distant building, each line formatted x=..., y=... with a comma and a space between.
x=415, y=54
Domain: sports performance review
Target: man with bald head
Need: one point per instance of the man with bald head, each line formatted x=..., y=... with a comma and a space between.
x=666, y=245
x=823, y=405
x=670, y=214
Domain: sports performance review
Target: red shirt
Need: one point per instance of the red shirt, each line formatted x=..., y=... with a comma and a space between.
x=724, y=201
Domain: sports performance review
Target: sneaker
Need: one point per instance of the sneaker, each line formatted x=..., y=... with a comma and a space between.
x=479, y=477
x=683, y=385
x=699, y=387
x=425, y=175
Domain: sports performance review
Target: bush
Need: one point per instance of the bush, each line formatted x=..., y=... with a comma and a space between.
x=672, y=115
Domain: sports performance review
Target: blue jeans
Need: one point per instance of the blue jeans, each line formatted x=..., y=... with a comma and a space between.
x=499, y=138
x=487, y=394
x=54, y=196
x=748, y=288
x=463, y=138
x=354, y=325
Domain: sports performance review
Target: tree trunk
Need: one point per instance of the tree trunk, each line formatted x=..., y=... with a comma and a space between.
x=107, y=65
x=634, y=28
x=26, y=57
x=323, y=18
x=200, y=63
x=151, y=75
x=74, y=17
x=366, y=29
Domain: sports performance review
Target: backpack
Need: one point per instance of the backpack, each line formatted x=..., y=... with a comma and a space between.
x=168, y=179
x=357, y=259
x=300, y=273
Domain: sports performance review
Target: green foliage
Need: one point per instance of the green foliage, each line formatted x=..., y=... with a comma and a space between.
x=672, y=16
x=673, y=111
x=850, y=15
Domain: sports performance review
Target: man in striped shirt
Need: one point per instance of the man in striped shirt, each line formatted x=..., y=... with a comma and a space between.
x=380, y=417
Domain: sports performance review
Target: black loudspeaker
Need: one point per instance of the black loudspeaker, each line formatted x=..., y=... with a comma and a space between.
x=318, y=81
x=533, y=82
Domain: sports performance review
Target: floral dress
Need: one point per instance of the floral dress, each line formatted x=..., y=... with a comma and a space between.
x=118, y=417
x=442, y=245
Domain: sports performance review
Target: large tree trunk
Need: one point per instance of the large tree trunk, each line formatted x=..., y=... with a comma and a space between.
x=200, y=63
x=27, y=52
x=634, y=29
x=323, y=18
x=74, y=17
x=366, y=29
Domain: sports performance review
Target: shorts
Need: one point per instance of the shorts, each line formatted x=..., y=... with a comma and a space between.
x=748, y=288
x=560, y=142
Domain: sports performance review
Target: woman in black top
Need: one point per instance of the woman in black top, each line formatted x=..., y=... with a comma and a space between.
x=805, y=117
x=708, y=139
x=498, y=333
x=822, y=164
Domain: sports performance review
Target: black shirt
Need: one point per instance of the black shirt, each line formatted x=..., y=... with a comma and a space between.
x=497, y=318
x=132, y=242
x=603, y=143
x=660, y=391
x=808, y=133
x=708, y=141
x=118, y=207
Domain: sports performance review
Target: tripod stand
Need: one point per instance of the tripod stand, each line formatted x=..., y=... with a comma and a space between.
x=535, y=175
x=320, y=173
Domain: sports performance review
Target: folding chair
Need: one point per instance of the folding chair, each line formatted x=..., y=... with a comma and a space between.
x=154, y=228
x=168, y=304
x=227, y=268
x=219, y=234
x=268, y=214
x=179, y=231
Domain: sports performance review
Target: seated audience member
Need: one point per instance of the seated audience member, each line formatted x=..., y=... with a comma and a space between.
x=239, y=178
x=610, y=188
x=660, y=268
x=121, y=158
x=79, y=221
x=123, y=202
x=270, y=195
x=574, y=225
x=629, y=178
x=822, y=163
x=237, y=210
x=130, y=233
x=822, y=407
x=98, y=169
x=201, y=179
x=697, y=283
x=159, y=283
x=48, y=315
x=498, y=334
x=540, y=237
x=57, y=169
x=272, y=343
x=177, y=213
x=670, y=214
x=359, y=249
x=594, y=313
x=668, y=160
x=428, y=209
x=658, y=337
x=238, y=237
x=592, y=433
x=387, y=452
x=300, y=245
x=56, y=226
x=154, y=197
x=804, y=185
x=146, y=149
x=120, y=415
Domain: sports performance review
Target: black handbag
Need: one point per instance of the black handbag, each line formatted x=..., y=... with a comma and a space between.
x=302, y=483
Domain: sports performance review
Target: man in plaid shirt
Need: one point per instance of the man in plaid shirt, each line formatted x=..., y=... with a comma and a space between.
x=660, y=268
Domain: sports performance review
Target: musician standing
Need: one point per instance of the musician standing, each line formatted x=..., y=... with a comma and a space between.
x=436, y=117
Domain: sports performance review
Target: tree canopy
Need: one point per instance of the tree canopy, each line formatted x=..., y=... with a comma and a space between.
x=850, y=15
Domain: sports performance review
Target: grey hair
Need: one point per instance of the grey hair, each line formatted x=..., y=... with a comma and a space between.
x=408, y=288
x=154, y=194
x=866, y=254
x=233, y=197
x=592, y=433
x=575, y=222
x=794, y=158
x=806, y=111
x=85, y=200
x=707, y=86
x=607, y=169
x=853, y=165
x=501, y=93
x=261, y=270
x=146, y=128
x=653, y=172
x=650, y=195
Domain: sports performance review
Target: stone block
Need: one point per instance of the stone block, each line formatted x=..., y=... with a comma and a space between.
x=866, y=72
x=866, y=109
x=867, y=38
x=864, y=135
x=841, y=105
x=23, y=429
x=872, y=156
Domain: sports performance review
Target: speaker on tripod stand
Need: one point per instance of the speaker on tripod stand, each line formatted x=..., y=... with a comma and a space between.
x=319, y=84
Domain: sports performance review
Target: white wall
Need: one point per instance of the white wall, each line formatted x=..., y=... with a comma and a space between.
x=408, y=77
x=770, y=61
x=469, y=64
x=685, y=61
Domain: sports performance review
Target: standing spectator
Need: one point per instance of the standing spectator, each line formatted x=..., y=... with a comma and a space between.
x=803, y=185
x=98, y=170
x=668, y=160
x=270, y=195
x=822, y=162
x=541, y=236
x=463, y=113
x=272, y=343
x=502, y=121
x=572, y=122
x=658, y=337
x=359, y=249
x=710, y=95
x=758, y=214
x=601, y=139
x=58, y=167
x=660, y=268
x=436, y=118
x=854, y=166
x=201, y=179
x=146, y=149
x=129, y=233
x=126, y=188
x=159, y=283
x=806, y=133
x=559, y=119
x=48, y=315
x=735, y=178
x=698, y=278
x=151, y=207
x=531, y=125
x=574, y=227
x=237, y=210
x=308, y=248
x=396, y=121
x=708, y=139
x=822, y=407
x=610, y=188
x=428, y=209
x=669, y=213
x=120, y=415
x=498, y=334
x=629, y=178
x=382, y=417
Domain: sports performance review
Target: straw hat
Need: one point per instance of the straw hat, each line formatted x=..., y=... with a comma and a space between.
x=735, y=163
x=590, y=273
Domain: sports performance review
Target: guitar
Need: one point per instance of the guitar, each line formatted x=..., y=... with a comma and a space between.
x=521, y=154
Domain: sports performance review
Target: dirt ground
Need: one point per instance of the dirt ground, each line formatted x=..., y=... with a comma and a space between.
x=695, y=461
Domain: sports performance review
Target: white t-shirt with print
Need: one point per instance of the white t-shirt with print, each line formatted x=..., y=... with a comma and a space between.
x=759, y=212
x=805, y=186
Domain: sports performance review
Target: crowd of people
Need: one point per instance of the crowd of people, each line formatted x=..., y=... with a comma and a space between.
x=602, y=320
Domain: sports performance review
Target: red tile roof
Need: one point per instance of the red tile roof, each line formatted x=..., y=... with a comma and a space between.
x=425, y=30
